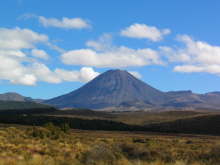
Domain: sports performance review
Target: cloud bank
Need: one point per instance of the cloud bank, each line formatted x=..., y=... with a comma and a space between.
x=20, y=63
x=194, y=56
x=24, y=62
x=102, y=54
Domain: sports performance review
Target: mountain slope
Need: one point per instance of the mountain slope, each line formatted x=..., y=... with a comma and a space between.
x=111, y=89
x=119, y=90
x=12, y=96
x=188, y=99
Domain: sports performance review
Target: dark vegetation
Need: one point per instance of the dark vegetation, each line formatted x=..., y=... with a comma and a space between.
x=166, y=122
x=21, y=106
x=84, y=113
x=76, y=123
x=17, y=108
x=209, y=124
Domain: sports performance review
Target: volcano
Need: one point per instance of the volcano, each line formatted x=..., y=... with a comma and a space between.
x=119, y=90
x=113, y=88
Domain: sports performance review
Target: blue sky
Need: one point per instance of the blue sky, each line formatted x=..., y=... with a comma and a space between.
x=51, y=47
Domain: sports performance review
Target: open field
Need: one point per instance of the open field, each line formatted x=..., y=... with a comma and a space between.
x=51, y=145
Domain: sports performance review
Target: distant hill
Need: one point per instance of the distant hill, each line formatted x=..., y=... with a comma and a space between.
x=188, y=99
x=12, y=96
x=119, y=90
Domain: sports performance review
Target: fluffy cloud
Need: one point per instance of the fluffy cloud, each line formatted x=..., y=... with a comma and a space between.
x=65, y=23
x=11, y=69
x=39, y=54
x=117, y=58
x=43, y=73
x=14, y=39
x=84, y=75
x=12, y=57
x=20, y=67
x=102, y=54
x=136, y=74
x=142, y=31
x=194, y=56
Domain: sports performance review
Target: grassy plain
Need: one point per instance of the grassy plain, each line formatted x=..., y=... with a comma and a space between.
x=50, y=145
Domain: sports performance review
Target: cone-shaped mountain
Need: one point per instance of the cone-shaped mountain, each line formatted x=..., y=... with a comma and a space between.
x=110, y=89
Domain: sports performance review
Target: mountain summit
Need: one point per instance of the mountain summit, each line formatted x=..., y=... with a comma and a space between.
x=111, y=89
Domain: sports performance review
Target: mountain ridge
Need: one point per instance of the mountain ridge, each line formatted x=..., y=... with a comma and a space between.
x=118, y=89
x=13, y=96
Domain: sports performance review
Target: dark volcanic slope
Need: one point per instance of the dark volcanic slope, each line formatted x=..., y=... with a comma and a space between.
x=110, y=89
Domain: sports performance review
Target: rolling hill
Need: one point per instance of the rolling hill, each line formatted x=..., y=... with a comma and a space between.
x=12, y=96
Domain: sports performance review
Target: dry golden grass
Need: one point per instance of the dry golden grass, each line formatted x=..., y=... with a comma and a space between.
x=51, y=146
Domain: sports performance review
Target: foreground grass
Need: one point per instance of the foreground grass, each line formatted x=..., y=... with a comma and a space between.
x=51, y=145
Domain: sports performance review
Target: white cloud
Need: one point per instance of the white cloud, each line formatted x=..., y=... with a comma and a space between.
x=195, y=56
x=84, y=75
x=39, y=54
x=27, y=79
x=12, y=57
x=65, y=23
x=102, y=54
x=136, y=74
x=16, y=73
x=12, y=53
x=17, y=38
x=143, y=31
x=20, y=67
x=43, y=73
x=12, y=69
x=213, y=69
x=118, y=57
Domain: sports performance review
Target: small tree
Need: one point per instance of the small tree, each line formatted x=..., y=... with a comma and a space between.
x=65, y=127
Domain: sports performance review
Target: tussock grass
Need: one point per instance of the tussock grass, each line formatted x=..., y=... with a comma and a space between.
x=51, y=145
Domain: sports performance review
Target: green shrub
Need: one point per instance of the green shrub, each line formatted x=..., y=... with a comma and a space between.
x=65, y=127
x=49, y=131
x=100, y=153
